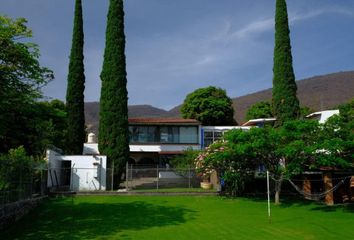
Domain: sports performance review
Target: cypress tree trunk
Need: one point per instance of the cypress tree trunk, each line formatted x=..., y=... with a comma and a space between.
x=285, y=101
x=76, y=87
x=113, y=127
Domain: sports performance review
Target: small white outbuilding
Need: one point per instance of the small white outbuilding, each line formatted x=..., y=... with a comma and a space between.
x=76, y=172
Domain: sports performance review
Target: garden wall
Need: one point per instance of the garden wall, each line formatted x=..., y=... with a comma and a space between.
x=12, y=212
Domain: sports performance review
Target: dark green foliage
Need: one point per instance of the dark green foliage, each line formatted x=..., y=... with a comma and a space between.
x=17, y=169
x=11, y=165
x=51, y=121
x=21, y=78
x=40, y=124
x=285, y=102
x=113, y=127
x=76, y=86
x=259, y=110
x=233, y=164
x=265, y=110
x=211, y=106
x=304, y=111
x=294, y=147
x=337, y=138
x=183, y=163
x=185, y=160
x=347, y=112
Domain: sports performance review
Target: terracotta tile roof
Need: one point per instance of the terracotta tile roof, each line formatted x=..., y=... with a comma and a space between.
x=163, y=121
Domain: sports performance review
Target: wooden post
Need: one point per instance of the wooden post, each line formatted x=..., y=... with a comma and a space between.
x=306, y=186
x=327, y=179
x=352, y=188
x=157, y=177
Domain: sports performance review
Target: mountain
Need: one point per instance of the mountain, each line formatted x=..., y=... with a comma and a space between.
x=317, y=93
x=92, y=110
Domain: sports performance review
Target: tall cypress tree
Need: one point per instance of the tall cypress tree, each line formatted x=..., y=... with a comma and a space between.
x=285, y=101
x=113, y=126
x=76, y=86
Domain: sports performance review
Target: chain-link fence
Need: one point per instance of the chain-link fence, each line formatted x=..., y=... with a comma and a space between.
x=155, y=177
x=25, y=183
x=78, y=179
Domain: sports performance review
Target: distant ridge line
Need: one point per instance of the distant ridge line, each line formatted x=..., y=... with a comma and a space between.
x=318, y=93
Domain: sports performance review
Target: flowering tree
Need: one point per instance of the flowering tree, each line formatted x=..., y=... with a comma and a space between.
x=223, y=158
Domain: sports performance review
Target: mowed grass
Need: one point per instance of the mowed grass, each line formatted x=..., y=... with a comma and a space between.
x=181, y=217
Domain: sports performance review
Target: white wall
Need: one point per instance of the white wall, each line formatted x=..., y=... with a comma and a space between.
x=92, y=148
x=88, y=173
x=163, y=148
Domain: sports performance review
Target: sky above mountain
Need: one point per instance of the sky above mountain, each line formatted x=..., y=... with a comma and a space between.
x=176, y=46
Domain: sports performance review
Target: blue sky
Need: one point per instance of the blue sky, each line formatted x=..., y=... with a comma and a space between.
x=176, y=46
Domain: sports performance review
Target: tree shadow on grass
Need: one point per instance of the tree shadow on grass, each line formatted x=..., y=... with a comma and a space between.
x=349, y=208
x=64, y=220
x=296, y=201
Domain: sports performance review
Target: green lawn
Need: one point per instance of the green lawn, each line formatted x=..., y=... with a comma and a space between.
x=181, y=217
x=176, y=190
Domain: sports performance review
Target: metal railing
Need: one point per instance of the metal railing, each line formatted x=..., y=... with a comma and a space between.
x=23, y=184
x=157, y=177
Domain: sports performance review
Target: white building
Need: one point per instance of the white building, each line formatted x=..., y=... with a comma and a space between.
x=322, y=116
x=76, y=172
x=154, y=140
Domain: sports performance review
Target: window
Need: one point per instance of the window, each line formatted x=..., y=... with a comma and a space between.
x=188, y=134
x=164, y=134
x=212, y=136
x=143, y=134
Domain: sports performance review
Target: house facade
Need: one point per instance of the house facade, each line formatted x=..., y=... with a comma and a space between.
x=153, y=141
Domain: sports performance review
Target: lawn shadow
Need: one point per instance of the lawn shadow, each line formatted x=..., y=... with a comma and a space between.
x=296, y=201
x=64, y=220
x=348, y=207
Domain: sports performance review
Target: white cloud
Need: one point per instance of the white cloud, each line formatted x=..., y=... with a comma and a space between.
x=254, y=28
x=318, y=12
x=260, y=26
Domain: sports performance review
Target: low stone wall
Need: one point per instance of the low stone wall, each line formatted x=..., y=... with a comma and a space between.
x=12, y=212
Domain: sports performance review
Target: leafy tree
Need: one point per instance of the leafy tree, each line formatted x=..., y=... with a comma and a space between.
x=233, y=164
x=211, y=106
x=282, y=150
x=76, y=86
x=113, y=126
x=264, y=109
x=259, y=110
x=184, y=160
x=182, y=163
x=347, y=113
x=16, y=169
x=294, y=147
x=50, y=119
x=337, y=138
x=257, y=146
x=21, y=78
x=285, y=102
x=39, y=125
x=304, y=111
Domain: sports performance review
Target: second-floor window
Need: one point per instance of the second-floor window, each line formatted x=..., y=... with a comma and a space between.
x=164, y=134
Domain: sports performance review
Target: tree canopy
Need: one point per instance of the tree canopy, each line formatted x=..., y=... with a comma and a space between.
x=261, y=109
x=113, y=135
x=211, y=106
x=21, y=79
x=284, y=100
x=286, y=151
x=76, y=86
x=264, y=109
